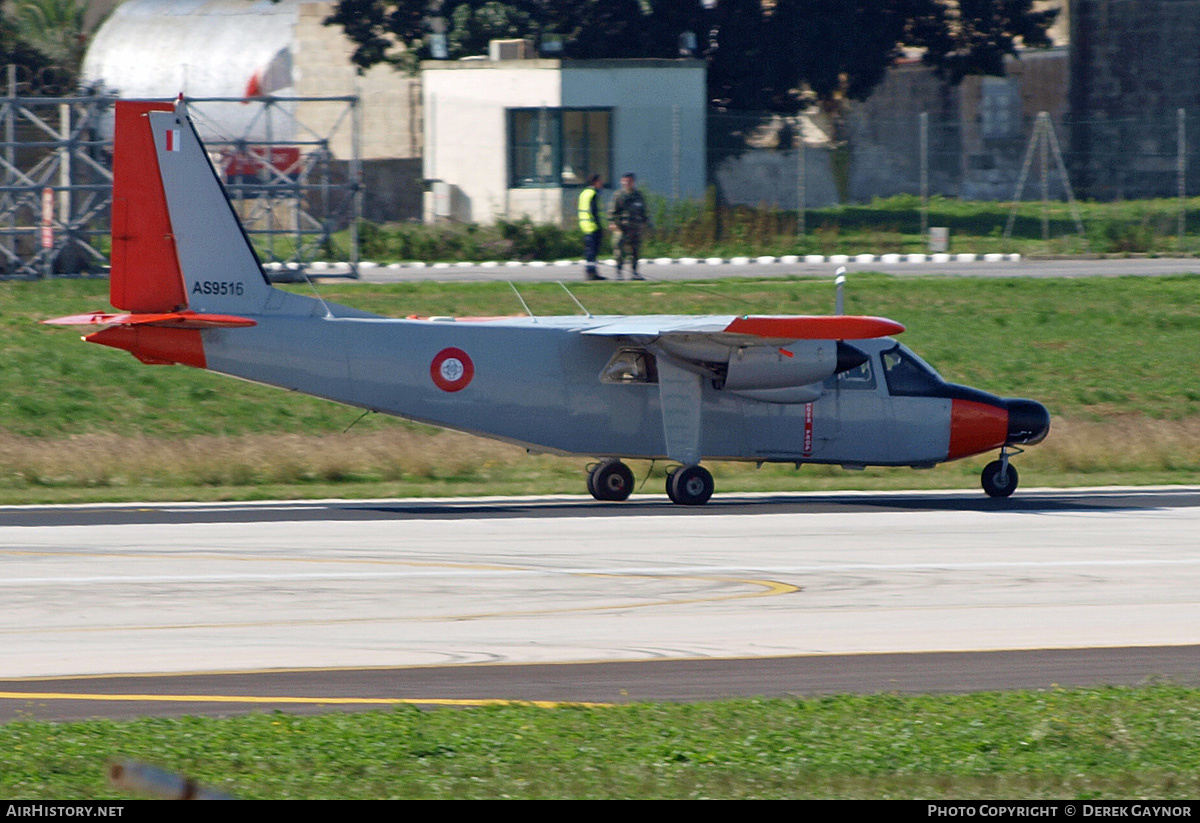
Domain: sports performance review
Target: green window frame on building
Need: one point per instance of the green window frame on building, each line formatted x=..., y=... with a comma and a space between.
x=558, y=147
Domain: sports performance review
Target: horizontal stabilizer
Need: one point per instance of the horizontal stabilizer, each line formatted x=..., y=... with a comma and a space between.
x=171, y=320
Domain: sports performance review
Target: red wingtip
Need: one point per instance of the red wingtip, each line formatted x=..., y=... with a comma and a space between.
x=830, y=327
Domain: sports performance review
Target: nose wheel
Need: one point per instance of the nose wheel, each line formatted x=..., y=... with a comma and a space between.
x=1000, y=478
x=690, y=485
x=610, y=480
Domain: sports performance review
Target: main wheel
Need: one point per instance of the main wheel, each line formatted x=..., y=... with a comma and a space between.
x=690, y=486
x=997, y=482
x=610, y=480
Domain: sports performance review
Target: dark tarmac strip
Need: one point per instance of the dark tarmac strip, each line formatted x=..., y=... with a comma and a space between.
x=358, y=689
x=1033, y=500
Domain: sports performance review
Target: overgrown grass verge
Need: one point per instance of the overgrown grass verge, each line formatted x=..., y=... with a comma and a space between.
x=398, y=462
x=1082, y=743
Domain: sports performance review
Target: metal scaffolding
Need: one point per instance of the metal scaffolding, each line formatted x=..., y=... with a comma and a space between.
x=292, y=192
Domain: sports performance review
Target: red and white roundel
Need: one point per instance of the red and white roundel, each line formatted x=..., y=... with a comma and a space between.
x=452, y=369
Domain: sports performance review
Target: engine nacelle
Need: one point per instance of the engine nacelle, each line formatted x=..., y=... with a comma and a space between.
x=786, y=396
x=776, y=367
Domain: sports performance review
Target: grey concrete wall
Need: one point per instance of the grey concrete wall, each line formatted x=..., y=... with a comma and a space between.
x=884, y=137
x=1133, y=64
x=763, y=176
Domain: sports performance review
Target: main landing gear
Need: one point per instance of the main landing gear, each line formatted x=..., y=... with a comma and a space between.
x=612, y=480
x=999, y=478
x=689, y=485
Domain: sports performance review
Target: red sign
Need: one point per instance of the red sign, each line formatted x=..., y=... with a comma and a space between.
x=285, y=159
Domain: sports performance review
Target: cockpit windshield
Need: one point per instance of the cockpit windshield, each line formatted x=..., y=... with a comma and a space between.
x=909, y=375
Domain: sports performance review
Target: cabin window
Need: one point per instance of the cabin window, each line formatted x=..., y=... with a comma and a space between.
x=859, y=378
x=630, y=366
x=909, y=375
x=554, y=148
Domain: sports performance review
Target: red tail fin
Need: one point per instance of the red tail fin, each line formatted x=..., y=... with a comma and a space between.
x=145, y=275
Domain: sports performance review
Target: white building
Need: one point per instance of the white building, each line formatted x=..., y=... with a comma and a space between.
x=513, y=138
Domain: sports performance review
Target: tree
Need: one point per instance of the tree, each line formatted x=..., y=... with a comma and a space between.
x=395, y=31
x=56, y=29
x=13, y=48
x=981, y=33
x=761, y=56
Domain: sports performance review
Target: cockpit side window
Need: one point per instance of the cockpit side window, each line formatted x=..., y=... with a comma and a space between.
x=909, y=376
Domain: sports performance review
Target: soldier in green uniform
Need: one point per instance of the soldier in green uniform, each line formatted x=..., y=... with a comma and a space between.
x=628, y=221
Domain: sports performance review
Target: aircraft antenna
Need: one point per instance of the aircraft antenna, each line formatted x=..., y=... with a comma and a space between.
x=360, y=417
x=649, y=471
x=839, y=304
x=313, y=286
x=573, y=297
x=522, y=299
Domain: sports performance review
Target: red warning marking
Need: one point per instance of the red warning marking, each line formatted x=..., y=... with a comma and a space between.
x=808, y=426
x=452, y=370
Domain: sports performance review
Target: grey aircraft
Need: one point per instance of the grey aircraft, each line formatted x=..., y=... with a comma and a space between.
x=191, y=290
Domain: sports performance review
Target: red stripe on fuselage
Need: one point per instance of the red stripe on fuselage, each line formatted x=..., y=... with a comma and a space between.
x=976, y=427
x=145, y=274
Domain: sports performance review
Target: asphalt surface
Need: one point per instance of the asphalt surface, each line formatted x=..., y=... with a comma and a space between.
x=321, y=690
x=1079, y=501
x=338, y=605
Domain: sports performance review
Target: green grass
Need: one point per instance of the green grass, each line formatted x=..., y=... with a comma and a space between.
x=1117, y=361
x=1084, y=743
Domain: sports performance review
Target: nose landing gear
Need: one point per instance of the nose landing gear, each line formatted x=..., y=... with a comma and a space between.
x=1000, y=478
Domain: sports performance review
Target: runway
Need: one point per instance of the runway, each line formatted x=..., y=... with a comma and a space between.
x=753, y=594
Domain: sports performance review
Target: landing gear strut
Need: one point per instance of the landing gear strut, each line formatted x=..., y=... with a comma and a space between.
x=610, y=480
x=690, y=485
x=999, y=478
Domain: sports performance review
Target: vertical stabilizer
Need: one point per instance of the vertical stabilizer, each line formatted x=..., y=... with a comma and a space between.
x=145, y=274
x=220, y=270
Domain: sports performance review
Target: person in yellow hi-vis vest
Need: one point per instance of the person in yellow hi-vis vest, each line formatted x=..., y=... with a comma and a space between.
x=589, y=224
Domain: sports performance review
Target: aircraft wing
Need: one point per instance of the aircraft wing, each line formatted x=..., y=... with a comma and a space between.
x=747, y=329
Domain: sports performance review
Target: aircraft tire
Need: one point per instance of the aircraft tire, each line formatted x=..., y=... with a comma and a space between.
x=690, y=486
x=611, y=480
x=998, y=483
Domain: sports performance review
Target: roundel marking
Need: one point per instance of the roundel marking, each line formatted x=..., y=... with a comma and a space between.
x=452, y=369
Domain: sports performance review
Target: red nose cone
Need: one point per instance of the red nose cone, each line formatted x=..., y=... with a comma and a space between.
x=976, y=427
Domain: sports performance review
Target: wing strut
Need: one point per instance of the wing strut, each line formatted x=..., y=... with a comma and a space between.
x=679, y=395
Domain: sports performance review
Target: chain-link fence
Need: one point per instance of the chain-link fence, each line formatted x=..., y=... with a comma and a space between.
x=901, y=163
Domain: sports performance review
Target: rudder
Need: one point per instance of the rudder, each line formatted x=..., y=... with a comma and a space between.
x=144, y=276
